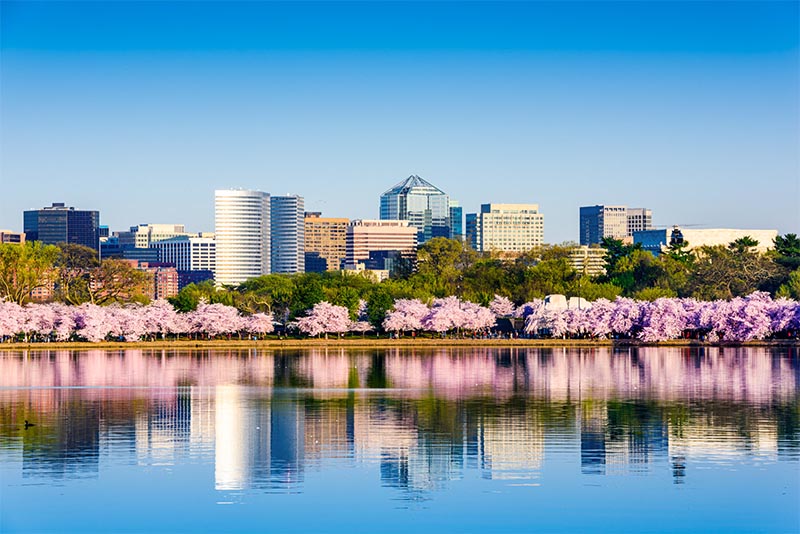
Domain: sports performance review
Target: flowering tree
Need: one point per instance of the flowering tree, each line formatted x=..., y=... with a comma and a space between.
x=325, y=318
x=216, y=319
x=756, y=316
x=663, y=319
x=445, y=314
x=502, y=306
x=260, y=323
x=407, y=314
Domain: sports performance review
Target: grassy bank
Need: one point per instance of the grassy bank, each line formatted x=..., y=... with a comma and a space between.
x=383, y=343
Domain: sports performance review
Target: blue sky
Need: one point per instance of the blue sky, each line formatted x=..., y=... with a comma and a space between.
x=142, y=109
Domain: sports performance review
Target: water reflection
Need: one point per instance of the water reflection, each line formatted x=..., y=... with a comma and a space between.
x=265, y=419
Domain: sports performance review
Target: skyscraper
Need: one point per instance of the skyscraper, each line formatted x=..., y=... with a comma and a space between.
x=242, y=228
x=619, y=222
x=288, y=234
x=423, y=205
x=60, y=224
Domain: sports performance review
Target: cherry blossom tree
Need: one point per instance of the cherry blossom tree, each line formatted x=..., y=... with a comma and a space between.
x=407, y=314
x=502, y=306
x=324, y=318
x=260, y=323
x=12, y=319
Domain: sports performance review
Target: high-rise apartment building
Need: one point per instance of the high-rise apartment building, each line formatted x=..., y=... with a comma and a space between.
x=326, y=239
x=288, y=234
x=506, y=228
x=242, y=228
x=619, y=222
x=60, y=224
x=423, y=205
x=365, y=236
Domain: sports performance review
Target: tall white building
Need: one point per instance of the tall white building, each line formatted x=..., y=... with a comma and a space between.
x=242, y=228
x=505, y=228
x=288, y=234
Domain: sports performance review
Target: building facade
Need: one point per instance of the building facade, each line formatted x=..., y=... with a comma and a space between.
x=618, y=222
x=144, y=235
x=657, y=241
x=510, y=228
x=287, y=234
x=242, y=228
x=61, y=224
x=188, y=253
x=423, y=205
x=365, y=236
x=590, y=261
x=456, y=221
x=325, y=242
x=15, y=238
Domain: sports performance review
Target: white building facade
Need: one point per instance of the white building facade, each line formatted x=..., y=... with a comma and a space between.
x=658, y=241
x=506, y=228
x=242, y=228
x=287, y=234
x=188, y=253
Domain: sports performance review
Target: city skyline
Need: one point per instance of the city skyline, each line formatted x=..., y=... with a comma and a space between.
x=679, y=107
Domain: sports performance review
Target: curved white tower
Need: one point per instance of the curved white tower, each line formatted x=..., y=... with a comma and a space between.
x=242, y=228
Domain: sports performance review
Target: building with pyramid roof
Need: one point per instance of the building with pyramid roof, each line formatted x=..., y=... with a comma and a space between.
x=423, y=205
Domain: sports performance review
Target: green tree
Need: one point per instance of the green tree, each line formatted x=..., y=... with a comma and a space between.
x=743, y=244
x=25, y=268
x=787, y=250
x=75, y=265
x=117, y=281
x=275, y=291
x=721, y=272
x=791, y=288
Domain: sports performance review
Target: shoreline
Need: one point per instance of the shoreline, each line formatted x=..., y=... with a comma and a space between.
x=384, y=343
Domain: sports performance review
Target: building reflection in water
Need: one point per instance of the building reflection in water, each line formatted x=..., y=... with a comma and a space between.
x=423, y=418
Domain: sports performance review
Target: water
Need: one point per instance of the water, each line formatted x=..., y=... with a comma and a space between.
x=455, y=440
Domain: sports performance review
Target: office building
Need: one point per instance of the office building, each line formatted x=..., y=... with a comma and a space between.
x=590, y=261
x=456, y=221
x=288, y=234
x=188, y=253
x=511, y=228
x=325, y=242
x=658, y=241
x=144, y=235
x=423, y=205
x=365, y=236
x=242, y=228
x=618, y=222
x=639, y=219
x=15, y=238
x=61, y=224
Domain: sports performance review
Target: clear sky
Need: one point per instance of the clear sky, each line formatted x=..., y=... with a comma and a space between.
x=142, y=109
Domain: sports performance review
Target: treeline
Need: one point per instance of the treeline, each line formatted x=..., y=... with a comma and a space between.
x=446, y=267
x=442, y=268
